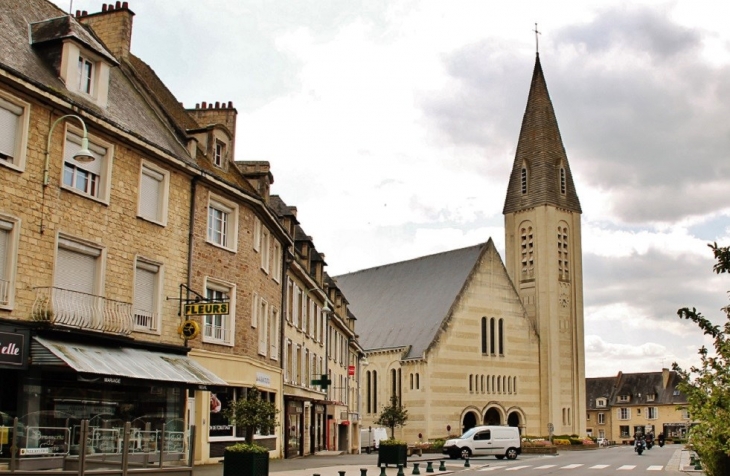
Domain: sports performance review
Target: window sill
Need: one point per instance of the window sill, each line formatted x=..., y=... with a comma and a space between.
x=208, y=340
x=162, y=223
x=85, y=195
x=217, y=245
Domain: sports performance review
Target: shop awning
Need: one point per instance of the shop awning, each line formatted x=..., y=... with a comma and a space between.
x=123, y=362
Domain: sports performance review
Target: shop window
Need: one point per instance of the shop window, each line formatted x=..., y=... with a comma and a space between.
x=624, y=431
x=14, y=117
x=153, y=190
x=146, y=296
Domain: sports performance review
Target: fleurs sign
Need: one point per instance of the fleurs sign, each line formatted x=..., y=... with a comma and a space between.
x=13, y=349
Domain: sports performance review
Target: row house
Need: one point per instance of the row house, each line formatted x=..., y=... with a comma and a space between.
x=145, y=274
x=629, y=404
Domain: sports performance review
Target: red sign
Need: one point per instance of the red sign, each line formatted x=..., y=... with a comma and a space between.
x=345, y=422
x=350, y=370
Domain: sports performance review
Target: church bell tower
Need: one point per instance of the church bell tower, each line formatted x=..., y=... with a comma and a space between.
x=542, y=218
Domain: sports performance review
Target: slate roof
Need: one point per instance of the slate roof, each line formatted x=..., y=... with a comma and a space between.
x=540, y=147
x=638, y=386
x=598, y=388
x=404, y=304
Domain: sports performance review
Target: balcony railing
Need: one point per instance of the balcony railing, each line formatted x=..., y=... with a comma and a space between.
x=145, y=320
x=68, y=308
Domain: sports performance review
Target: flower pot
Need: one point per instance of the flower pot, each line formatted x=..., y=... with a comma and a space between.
x=393, y=454
x=245, y=464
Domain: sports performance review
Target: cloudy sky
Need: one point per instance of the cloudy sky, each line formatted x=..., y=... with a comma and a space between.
x=392, y=127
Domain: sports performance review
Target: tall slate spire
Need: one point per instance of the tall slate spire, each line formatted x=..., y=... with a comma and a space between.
x=540, y=173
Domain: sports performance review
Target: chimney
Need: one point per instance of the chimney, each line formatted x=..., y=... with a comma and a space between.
x=665, y=378
x=217, y=112
x=258, y=174
x=113, y=25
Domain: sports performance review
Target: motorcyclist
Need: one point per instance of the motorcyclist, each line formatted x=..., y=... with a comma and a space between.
x=639, y=444
x=660, y=438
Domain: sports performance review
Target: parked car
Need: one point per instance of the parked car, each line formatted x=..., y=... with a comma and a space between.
x=499, y=441
x=602, y=441
x=370, y=439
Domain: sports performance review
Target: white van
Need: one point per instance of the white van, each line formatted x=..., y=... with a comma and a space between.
x=370, y=439
x=499, y=441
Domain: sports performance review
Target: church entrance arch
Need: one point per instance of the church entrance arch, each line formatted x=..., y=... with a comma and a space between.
x=492, y=417
x=469, y=421
x=513, y=419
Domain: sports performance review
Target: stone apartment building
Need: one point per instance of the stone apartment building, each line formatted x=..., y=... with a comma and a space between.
x=107, y=265
x=627, y=404
x=464, y=338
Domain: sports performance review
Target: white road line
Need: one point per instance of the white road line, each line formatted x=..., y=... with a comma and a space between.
x=599, y=466
x=626, y=467
x=515, y=468
x=491, y=468
x=571, y=466
x=545, y=466
x=655, y=468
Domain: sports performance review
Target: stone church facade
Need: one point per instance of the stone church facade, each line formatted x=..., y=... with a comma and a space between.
x=463, y=338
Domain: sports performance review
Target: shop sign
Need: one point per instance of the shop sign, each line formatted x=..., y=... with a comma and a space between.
x=263, y=379
x=207, y=308
x=46, y=441
x=14, y=349
x=350, y=370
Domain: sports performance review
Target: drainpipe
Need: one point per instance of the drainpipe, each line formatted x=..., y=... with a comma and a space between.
x=191, y=235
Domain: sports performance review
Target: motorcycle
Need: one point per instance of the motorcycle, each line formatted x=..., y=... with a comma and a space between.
x=639, y=446
x=661, y=441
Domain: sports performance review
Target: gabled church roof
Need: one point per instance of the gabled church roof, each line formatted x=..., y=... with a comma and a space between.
x=404, y=304
x=540, y=151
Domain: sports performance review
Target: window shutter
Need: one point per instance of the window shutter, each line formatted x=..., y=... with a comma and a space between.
x=9, y=122
x=256, y=234
x=150, y=193
x=263, y=328
x=274, y=333
x=75, y=271
x=254, y=310
x=145, y=288
x=4, y=238
x=73, y=145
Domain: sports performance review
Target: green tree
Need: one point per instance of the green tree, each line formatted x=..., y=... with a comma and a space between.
x=393, y=415
x=252, y=413
x=707, y=387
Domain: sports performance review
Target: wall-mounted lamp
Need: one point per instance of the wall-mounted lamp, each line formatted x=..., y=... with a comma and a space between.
x=83, y=155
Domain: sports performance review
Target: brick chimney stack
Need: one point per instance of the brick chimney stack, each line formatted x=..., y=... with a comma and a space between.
x=113, y=25
x=207, y=113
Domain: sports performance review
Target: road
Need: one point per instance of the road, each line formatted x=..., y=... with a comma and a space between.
x=618, y=460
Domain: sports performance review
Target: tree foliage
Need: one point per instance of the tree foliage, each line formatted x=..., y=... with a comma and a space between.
x=393, y=415
x=707, y=387
x=252, y=413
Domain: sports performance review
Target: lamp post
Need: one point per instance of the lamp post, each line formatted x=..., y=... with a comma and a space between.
x=83, y=155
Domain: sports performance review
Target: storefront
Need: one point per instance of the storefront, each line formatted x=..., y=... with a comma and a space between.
x=68, y=381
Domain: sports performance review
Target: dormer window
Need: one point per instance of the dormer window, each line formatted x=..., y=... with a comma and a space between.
x=623, y=398
x=650, y=397
x=600, y=403
x=219, y=152
x=86, y=75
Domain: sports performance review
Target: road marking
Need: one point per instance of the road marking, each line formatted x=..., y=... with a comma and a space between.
x=491, y=468
x=545, y=466
x=626, y=467
x=515, y=468
x=599, y=466
x=655, y=468
x=571, y=466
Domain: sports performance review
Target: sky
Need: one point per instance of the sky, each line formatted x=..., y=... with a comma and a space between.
x=392, y=127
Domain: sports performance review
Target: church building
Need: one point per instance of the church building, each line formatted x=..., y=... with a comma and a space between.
x=465, y=338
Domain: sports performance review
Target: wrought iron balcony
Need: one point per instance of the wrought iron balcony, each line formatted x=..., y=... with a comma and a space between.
x=63, y=307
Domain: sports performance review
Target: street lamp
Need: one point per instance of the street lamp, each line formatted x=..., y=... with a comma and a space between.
x=83, y=155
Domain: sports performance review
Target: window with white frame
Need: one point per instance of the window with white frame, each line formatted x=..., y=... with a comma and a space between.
x=623, y=398
x=685, y=414
x=289, y=300
x=219, y=153
x=274, y=334
x=88, y=178
x=601, y=418
x=222, y=223
x=146, y=296
x=601, y=402
x=153, y=192
x=8, y=249
x=14, y=115
x=650, y=397
x=297, y=366
x=265, y=249
x=276, y=261
x=624, y=413
x=78, y=268
x=218, y=328
x=288, y=361
x=652, y=413
x=256, y=234
x=263, y=326
x=86, y=75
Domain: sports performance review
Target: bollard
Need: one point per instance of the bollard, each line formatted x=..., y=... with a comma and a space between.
x=382, y=471
x=442, y=466
x=363, y=472
x=415, y=468
x=400, y=470
x=466, y=463
x=342, y=473
x=429, y=467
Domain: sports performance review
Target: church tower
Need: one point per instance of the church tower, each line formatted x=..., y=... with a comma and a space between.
x=542, y=218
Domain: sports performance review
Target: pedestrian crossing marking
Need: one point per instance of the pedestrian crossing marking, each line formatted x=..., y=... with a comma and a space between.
x=599, y=466
x=545, y=466
x=571, y=466
x=626, y=467
x=655, y=468
x=491, y=468
x=515, y=468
